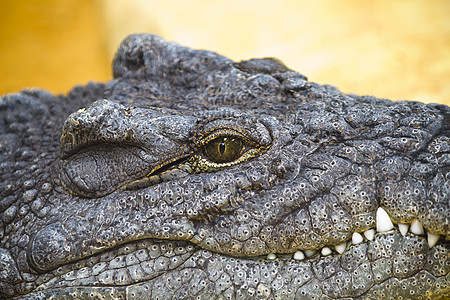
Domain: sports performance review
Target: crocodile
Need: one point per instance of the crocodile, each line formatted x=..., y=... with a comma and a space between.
x=191, y=176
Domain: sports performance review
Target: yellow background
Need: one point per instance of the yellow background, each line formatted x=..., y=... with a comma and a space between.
x=391, y=49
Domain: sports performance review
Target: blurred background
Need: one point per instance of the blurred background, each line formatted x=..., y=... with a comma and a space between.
x=389, y=49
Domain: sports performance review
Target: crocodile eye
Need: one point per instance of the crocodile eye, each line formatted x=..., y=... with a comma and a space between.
x=224, y=149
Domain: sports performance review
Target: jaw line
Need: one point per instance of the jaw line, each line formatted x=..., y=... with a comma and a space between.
x=118, y=258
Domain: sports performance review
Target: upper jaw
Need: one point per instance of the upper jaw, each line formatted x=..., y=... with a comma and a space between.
x=146, y=218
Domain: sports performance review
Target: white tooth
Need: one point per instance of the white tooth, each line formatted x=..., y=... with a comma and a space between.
x=299, y=255
x=310, y=253
x=271, y=256
x=403, y=228
x=384, y=223
x=356, y=238
x=432, y=239
x=369, y=234
x=326, y=251
x=341, y=247
x=416, y=227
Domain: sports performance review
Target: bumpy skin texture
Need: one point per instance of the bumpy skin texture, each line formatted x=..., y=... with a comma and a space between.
x=120, y=199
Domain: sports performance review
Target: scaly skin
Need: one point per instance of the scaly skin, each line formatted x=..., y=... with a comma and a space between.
x=111, y=192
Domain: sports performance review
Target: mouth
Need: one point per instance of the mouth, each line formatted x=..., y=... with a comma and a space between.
x=369, y=261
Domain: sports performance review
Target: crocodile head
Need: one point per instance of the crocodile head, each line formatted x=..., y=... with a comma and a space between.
x=189, y=176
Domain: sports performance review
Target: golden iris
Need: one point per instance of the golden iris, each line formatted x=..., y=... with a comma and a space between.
x=224, y=149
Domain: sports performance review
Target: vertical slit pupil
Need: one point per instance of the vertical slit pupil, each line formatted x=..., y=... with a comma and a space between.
x=222, y=147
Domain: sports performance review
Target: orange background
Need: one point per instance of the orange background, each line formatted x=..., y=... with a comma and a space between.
x=392, y=49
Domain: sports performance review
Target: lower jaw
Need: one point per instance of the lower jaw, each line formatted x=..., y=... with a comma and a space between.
x=390, y=264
